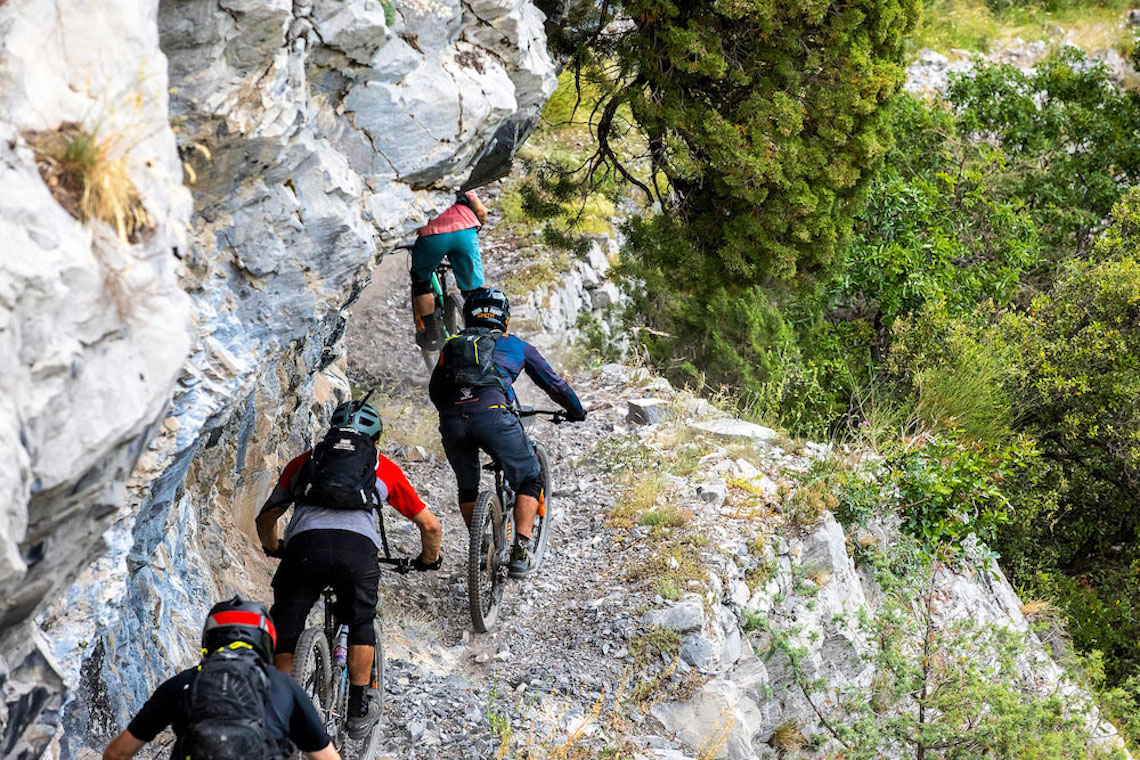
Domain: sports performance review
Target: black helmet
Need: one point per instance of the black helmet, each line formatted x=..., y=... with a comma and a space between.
x=358, y=416
x=487, y=307
x=240, y=622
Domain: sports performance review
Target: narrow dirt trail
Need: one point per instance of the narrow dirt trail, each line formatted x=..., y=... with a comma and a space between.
x=560, y=642
x=560, y=647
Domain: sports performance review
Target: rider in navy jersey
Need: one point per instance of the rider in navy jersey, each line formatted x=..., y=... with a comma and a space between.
x=474, y=418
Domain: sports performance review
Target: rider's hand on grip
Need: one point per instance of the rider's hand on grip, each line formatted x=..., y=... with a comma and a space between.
x=419, y=564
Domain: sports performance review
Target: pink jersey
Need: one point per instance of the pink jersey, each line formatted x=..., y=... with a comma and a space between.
x=456, y=218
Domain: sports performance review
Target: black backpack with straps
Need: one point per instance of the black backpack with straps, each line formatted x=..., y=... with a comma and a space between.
x=340, y=473
x=469, y=359
x=226, y=704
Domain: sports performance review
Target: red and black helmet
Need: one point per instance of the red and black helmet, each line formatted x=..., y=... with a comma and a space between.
x=240, y=621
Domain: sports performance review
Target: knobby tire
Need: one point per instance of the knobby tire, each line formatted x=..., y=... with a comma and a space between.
x=453, y=313
x=484, y=576
x=543, y=526
x=311, y=669
x=369, y=748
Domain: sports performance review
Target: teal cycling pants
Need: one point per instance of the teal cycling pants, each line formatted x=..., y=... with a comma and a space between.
x=461, y=248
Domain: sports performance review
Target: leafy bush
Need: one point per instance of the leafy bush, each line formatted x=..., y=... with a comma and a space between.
x=1068, y=135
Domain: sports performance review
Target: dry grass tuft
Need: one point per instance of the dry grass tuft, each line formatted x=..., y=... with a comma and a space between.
x=1039, y=609
x=641, y=494
x=820, y=578
x=787, y=738
x=87, y=174
x=714, y=744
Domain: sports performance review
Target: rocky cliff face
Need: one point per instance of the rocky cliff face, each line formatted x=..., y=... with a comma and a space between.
x=311, y=135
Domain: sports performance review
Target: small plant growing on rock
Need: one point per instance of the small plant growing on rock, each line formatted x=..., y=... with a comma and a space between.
x=805, y=505
x=787, y=738
x=87, y=174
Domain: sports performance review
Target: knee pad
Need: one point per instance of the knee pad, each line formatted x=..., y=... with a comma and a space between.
x=531, y=487
x=420, y=287
x=468, y=495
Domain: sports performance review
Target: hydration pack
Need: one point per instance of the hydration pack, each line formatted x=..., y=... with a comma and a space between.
x=225, y=705
x=469, y=359
x=341, y=472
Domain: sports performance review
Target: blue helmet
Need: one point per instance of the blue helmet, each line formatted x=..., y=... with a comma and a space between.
x=358, y=416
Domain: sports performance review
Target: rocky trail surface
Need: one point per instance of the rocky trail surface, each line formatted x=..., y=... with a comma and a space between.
x=561, y=636
x=560, y=648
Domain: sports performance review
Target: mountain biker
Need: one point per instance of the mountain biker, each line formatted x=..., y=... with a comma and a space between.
x=207, y=717
x=479, y=413
x=332, y=540
x=454, y=234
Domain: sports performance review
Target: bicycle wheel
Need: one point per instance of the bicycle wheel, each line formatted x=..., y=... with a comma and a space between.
x=453, y=313
x=311, y=669
x=369, y=747
x=486, y=563
x=544, y=521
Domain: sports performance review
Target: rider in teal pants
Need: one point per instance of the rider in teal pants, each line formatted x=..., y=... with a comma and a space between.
x=454, y=234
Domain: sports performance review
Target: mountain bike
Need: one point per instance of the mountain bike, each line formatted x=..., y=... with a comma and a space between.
x=321, y=668
x=493, y=531
x=448, y=304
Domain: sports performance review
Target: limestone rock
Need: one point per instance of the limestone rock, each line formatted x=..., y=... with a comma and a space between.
x=312, y=135
x=714, y=492
x=94, y=328
x=730, y=428
x=648, y=411
x=717, y=704
x=684, y=616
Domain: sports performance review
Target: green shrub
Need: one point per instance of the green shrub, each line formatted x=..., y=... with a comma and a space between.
x=947, y=489
x=1066, y=132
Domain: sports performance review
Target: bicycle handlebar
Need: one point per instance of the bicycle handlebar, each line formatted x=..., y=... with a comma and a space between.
x=557, y=416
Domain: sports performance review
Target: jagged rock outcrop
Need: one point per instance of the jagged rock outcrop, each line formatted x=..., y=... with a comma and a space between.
x=312, y=134
x=93, y=330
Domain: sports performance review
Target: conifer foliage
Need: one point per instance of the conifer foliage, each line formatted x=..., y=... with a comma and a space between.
x=759, y=123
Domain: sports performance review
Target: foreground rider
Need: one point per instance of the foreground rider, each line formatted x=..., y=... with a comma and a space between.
x=231, y=706
x=453, y=234
x=471, y=388
x=332, y=540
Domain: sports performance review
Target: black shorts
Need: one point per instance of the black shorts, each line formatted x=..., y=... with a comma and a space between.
x=315, y=560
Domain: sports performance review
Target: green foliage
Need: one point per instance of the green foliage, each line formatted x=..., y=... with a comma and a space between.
x=389, y=12
x=596, y=341
x=934, y=230
x=1063, y=373
x=746, y=342
x=947, y=489
x=952, y=373
x=1075, y=383
x=766, y=120
x=943, y=687
x=955, y=689
x=1068, y=134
